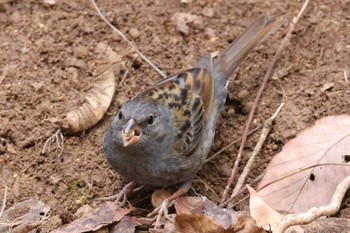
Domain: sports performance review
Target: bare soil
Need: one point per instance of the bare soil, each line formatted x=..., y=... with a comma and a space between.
x=44, y=46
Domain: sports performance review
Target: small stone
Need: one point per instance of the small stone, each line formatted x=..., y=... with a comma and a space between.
x=38, y=86
x=15, y=17
x=74, y=62
x=208, y=11
x=209, y=32
x=231, y=112
x=327, y=86
x=10, y=149
x=247, y=107
x=101, y=48
x=225, y=170
x=243, y=94
x=134, y=33
x=80, y=51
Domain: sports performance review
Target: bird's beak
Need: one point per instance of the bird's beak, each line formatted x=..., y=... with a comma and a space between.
x=131, y=133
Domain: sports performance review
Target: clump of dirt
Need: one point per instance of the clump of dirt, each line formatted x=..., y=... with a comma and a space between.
x=48, y=63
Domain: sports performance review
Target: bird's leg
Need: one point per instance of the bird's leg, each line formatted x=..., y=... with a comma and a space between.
x=162, y=209
x=121, y=196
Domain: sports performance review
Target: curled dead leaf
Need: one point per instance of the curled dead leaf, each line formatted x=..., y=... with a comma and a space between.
x=159, y=196
x=189, y=205
x=96, y=105
x=264, y=215
x=104, y=215
x=24, y=216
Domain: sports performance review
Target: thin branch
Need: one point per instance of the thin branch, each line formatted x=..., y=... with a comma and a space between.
x=278, y=53
x=131, y=44
x=243, y=189
x=316, y=212
x=297, y=171
x=127, y=71
x=3, y=202
x=264, y=133
x=232, y=143
x=4, y=74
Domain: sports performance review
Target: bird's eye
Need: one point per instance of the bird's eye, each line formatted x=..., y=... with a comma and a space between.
x=150, y=119
x=120, y=115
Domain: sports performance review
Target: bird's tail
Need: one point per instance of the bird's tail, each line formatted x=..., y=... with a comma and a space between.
x=227, y=62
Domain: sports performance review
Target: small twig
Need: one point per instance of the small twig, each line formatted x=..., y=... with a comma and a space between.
x=231, y=144
x=292, y=173
x=316, y=212
x=131, y=44
x=264, y=133
x=207, y=186
x=243, y=189
x=3, y=202
x=58, y=138
x=346, y=74
x=4, y=74
x=278, y=54
x=127, y=72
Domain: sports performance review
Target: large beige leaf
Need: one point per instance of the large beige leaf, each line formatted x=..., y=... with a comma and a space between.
x=328, y=141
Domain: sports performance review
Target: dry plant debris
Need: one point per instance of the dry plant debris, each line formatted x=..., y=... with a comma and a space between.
x=104, y=215
x=24, y=216
x=97, y=102
x=295, y=189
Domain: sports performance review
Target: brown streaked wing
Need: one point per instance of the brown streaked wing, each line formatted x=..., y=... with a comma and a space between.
x=189, y=95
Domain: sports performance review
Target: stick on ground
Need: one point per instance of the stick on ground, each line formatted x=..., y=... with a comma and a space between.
x=314, y=213
x=131, y=44
x=268, y=74
x=3, y=202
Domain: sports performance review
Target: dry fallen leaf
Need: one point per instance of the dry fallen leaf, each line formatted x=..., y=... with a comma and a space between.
x=196, y=223
x=189, y=205
x=97, y=102
x=24, y=216
x=326, y=142
x=105, y=214
x=202, y=209
x=181, y=20
x=264, y=215
x=226, y=218
x=127, y=224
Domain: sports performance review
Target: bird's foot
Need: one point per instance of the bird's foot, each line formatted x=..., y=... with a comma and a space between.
x=121, y=197
x=162, y=209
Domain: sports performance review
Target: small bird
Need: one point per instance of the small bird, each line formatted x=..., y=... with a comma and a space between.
x=163, y=135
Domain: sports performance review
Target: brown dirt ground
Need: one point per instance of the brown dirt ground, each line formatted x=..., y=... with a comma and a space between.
x=40, y=43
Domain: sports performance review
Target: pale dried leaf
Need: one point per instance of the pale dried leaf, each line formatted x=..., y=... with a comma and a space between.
x=326, y=142
x=24, y=215
x=126, y=225
x=226, y=218
x=189, y=205
x=246, y=224
x=264, y=215
x=105, y=214
x=196, y=223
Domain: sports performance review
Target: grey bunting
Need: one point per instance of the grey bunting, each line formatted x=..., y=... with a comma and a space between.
x=163, y=135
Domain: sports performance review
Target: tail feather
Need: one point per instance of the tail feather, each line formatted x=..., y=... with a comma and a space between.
x=227, y=62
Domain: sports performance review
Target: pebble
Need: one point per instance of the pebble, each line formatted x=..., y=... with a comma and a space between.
x=209, y=32
x=208, y=11
x=74, y=62
x=134, y=33
x=80, y=51
x=243, y=94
